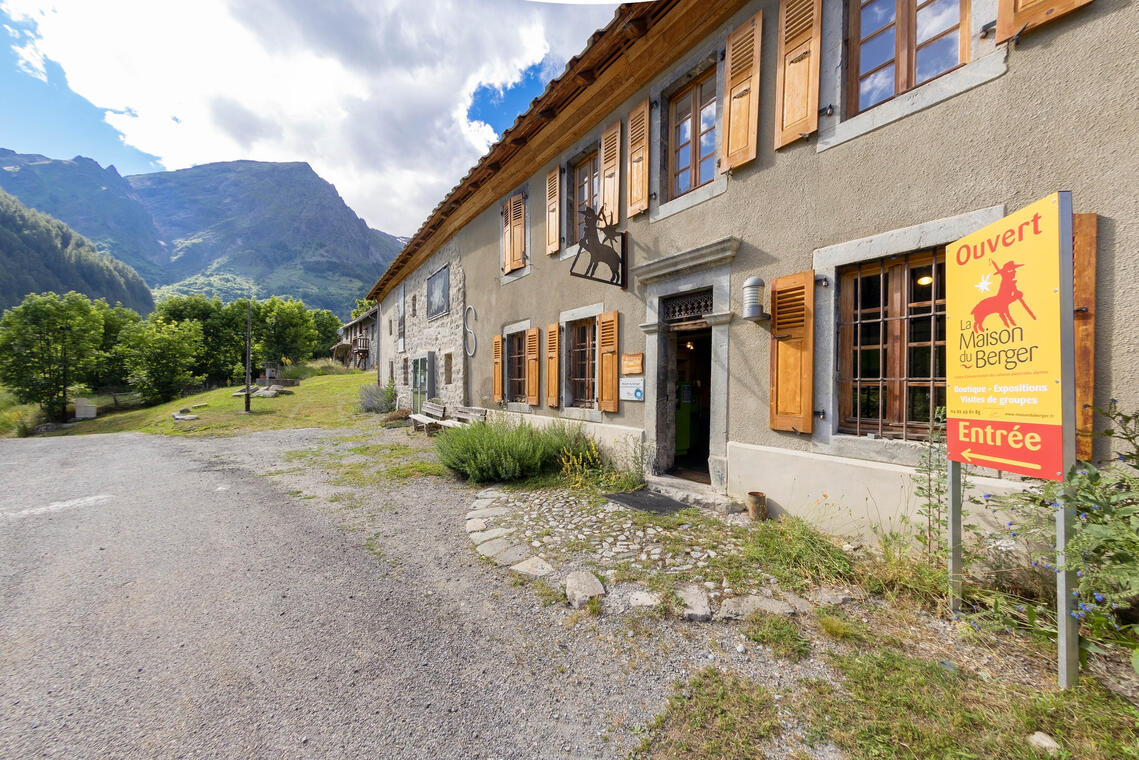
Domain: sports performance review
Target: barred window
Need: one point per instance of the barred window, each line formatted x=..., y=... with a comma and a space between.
x=586, y=193
x=891, y=337
x=516, y=366
x=581, y=350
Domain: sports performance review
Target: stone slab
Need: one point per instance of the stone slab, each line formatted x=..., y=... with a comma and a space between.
x=491, y=493
x=581, y=587
x=512, y=555
x=741, y=606
x=493, y=547
x=475, y=524
x=535, y=567
x=798, y=603
x=695, y=601
x=486, y=535
x=488, y=512
x=644, y=599
x=482, y=503
x=830, y=596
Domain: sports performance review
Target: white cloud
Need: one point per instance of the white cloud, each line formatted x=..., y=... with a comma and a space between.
x=373, y=93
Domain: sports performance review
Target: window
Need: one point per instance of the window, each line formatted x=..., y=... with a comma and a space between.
x=391, y=369
x=405, y=370
x=892, y=345
x=692, y=135
x=413, y=305
x=514, y=233
x=516, y=367
x=901, y=44
x=447, y=369
x=586, y=190
x=581, y=354
x=439, y=293
x=389, y=326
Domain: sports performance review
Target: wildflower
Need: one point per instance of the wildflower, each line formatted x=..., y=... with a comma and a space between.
x=987, y=496
x=1075, y=593
x=1098, y=597
x=1079, y=573
x=1020, y=607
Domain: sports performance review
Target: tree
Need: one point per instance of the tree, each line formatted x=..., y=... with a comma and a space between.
x=223, y=334
x=327, y=331
x=159, y=356
x=47, y=342
x=289, y=331
x=362, y=306
x=108, y=371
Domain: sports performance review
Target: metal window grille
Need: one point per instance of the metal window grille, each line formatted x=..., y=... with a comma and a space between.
x=891, y=335
x=686, y=307
x=582, y=361
x=516, y=366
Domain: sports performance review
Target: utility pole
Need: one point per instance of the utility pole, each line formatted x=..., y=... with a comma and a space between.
x=248, y=351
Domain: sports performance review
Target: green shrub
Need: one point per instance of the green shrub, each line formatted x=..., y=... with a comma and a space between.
x=491, y=452
x=373, y=399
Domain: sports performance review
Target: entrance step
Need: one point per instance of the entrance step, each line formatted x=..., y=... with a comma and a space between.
x=689, y=492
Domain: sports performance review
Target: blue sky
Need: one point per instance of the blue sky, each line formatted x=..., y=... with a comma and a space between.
x=356, y=90
x=52, y=120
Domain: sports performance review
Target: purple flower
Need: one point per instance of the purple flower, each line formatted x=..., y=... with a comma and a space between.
x=1099, y=597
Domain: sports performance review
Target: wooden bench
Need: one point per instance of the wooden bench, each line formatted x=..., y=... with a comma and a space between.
x=467, y=414
x=432, y=417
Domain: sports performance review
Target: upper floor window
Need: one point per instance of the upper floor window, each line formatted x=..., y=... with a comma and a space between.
x=439, y=293
x=692, y=135
x=586, y=192
x=892, y=345
x=901, y=44
x=514, y=233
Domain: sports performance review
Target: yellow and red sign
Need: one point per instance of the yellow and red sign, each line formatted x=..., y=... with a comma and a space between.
x=1005, y=354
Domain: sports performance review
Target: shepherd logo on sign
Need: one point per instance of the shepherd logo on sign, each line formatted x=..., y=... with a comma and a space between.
x=1008, y=403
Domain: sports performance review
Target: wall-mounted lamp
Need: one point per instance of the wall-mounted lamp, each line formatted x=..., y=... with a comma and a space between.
x=925, y=280
x=753, y=300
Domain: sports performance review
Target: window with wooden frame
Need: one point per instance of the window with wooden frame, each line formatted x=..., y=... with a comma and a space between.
x=891, y=335
x=447, y=368
x=585, y=192
x=516, y=366
x=581, y=365
x=897, y=45
x=405, y=370
x=692, y=135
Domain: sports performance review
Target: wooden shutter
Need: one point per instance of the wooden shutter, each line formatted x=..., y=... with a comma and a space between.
x=637, y=199
x=533, y=344
x=496, y=354
x=792, y=352
x=611, y=174
x=553, y=373
x=797, y=76
x=554, y=210
x=1083, y=296
x=1014, y=15
x=607, y=358
x=741, y=94
x=518, y=231
x=507, y=259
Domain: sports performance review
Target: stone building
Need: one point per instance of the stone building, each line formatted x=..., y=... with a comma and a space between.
x=357, y=346
x=831, y=149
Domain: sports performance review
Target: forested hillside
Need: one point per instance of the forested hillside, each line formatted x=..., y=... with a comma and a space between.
x=39, y=253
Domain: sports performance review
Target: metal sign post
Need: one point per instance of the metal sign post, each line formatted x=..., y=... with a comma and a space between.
x=1010, y=374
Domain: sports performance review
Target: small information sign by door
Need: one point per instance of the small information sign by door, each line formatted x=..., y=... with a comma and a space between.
x=632, y=389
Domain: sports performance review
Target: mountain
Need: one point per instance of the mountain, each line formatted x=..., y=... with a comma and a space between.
x=39, y=253
x=228, y=229
x=95, y=202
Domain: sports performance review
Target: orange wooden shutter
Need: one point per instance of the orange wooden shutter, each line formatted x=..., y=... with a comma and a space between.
x=792, y=352
x=608, y=384
x=741, y=94
x=496, y=354
x=553, y=345
x=637, y=199
x=553, y=210
x=533, y=342
x=611, y=173
x=797, y=76
x=1083, y=296
x=507, y=259
x=518, y=231
x=1014, y=15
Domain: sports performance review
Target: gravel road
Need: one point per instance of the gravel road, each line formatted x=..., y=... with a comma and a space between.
x=159, y=597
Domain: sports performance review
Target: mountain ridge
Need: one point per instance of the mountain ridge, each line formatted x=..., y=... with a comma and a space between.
x=232, y=229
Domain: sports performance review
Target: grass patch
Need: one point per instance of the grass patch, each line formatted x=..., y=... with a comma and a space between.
x=318, y=368
x=546, y=593
x=420, y=468
x=892, y=705
x=714, y=715
x=834, y=624
x=779, y=634
x=321, y=402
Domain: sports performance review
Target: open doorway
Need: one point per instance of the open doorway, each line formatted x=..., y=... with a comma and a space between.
x=692, y=402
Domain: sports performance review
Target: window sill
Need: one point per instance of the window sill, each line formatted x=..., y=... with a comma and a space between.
x=692, y=198
x=931, y=93
x=506, y=279
x=581, y=414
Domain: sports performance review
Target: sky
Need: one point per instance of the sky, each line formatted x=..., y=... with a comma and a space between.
x=392, y=101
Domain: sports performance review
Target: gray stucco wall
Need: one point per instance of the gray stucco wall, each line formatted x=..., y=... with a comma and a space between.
x=1016, y=124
